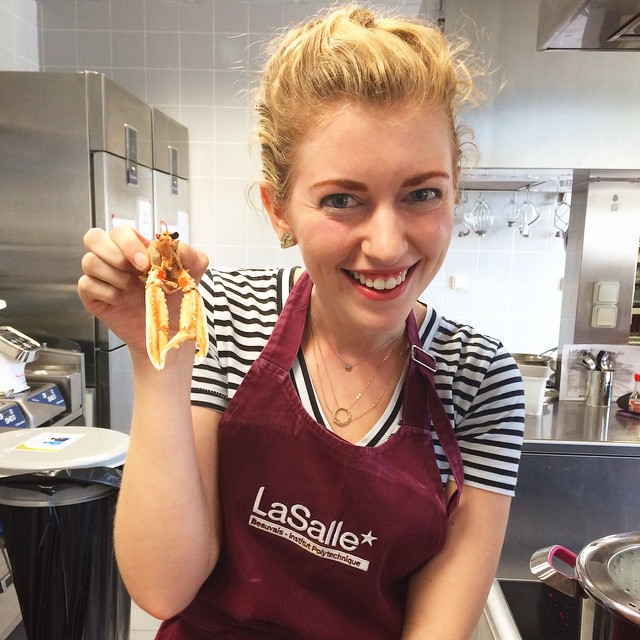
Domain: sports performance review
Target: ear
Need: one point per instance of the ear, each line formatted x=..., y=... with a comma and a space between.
x=274, y=210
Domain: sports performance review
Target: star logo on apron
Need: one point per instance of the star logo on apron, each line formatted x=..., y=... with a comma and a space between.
x=368, y=538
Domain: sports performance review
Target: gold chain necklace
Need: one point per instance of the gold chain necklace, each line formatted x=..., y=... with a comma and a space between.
x=342, y=416
x=348, y=366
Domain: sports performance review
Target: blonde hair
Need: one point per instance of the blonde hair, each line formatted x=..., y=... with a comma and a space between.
x=357, y=56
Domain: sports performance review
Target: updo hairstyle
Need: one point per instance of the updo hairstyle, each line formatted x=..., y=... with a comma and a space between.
x=361, y=57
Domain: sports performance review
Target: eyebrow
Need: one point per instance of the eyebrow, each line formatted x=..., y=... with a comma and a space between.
x=423, y=177
x=355, y=185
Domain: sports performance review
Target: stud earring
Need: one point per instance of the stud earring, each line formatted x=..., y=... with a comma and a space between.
x=287, y=241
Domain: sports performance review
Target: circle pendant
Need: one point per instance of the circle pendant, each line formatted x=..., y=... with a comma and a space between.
x=348, y=366
x=342, y=417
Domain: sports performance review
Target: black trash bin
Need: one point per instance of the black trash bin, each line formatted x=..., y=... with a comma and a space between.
x=59, y=537
x=58, y=531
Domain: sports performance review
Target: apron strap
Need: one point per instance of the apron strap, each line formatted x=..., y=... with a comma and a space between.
x=285, y=339
x=420, y=376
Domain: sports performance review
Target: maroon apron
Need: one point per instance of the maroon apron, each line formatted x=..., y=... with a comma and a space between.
x=320, y=536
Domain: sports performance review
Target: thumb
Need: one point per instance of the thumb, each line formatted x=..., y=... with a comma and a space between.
x=193, y=259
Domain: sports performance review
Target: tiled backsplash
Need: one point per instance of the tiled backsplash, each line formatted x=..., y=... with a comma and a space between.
x=196, y=61
x=513, y=282
x=18, y=35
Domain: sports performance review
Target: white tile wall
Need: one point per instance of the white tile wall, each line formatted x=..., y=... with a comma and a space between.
x=18, y=35
x=514, y=289
x=196, y=61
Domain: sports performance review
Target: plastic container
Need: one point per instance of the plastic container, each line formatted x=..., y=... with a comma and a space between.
x=534, y=378
x=58, y=529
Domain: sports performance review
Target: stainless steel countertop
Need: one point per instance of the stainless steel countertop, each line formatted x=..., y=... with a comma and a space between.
x=574, y=427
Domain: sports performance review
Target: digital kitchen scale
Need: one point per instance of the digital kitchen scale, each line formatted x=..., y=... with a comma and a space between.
x=36, y=405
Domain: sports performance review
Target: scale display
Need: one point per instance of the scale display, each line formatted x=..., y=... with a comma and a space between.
x=11, y=416
x=51, y=395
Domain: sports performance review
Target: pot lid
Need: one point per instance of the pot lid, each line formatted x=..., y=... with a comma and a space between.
x=609, y=571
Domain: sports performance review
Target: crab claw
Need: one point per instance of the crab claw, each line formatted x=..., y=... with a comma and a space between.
x=193, y=324
x=157, y=317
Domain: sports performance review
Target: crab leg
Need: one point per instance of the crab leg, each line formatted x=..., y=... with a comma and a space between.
x=157, y=317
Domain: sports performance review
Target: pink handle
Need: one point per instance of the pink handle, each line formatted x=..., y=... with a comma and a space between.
x=542, y=566
x=563, y=554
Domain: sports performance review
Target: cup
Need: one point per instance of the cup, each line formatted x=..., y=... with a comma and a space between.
x=534, y=390
x=599, y=388
x=534, y=378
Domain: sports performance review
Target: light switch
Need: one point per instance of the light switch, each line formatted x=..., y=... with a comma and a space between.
x=460, y=282
x=604, y=316
x=606, y=292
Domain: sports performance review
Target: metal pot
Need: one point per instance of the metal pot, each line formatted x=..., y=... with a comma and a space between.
x=606, y=576
x=530, y=362
x=533, y=359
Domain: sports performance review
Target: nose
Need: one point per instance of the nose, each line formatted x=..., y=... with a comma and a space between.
x=384, y=239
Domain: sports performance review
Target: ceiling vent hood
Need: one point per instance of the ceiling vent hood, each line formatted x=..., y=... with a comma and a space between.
x=606, y=25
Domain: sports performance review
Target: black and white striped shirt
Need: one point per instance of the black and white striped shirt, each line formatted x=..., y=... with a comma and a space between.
x=478, y=382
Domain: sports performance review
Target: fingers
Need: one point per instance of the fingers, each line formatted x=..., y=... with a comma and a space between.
x=108, y=267
x=114, y=261
x=193, y=260
x=118, y=276
x=124, y=248
x=96, y=293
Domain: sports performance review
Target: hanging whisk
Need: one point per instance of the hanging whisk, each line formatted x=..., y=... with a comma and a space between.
x=481, y=218
x=459, y=215
x=561, y=215
x=510, y=211
x=527, y=214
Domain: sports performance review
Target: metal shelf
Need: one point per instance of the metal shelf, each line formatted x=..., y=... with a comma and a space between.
x=544, y=180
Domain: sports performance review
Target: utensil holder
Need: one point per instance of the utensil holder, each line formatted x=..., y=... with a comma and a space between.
x=599, y=388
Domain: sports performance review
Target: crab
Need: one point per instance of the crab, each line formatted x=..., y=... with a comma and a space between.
x=166, y=276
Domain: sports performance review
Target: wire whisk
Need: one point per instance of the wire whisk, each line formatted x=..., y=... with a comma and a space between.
x=561, y=214
x=481, y=218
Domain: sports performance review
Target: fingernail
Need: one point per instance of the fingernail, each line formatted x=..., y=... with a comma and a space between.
x=140, y=261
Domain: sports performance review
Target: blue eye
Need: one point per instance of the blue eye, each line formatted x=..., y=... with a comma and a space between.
x=338, y=201
x=426, y=195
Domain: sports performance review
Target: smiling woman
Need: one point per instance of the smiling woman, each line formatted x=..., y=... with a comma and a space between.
x=343, y=455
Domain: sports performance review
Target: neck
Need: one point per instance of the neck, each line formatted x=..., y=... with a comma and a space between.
x=359, y=396
x=355, y=350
